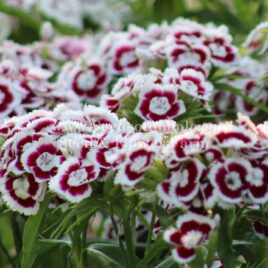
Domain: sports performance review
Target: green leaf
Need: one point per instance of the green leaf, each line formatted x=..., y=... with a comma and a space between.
x=48, y=244
x=157, y=248
x=199, y=260
x=166, y=263
x=101, y=255
x=30, y=235
x=111, y=251
x=225, y=238
x=212, y=248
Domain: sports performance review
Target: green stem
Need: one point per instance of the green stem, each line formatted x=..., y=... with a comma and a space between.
x=16, y=234
x=128, y=226
x=10, y=259
x=77, y=259
x=150, y=233
x=79, y=240
x=121, y=245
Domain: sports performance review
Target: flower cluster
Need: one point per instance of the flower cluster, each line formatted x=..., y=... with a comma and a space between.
x=87, y=80
x=159, y=93
x=25, y=88
x=221, y=164
x=192, y=51
x=159, y=76
x=159, y=62
x=213, y=166
x=181, y=45
x=66, y=151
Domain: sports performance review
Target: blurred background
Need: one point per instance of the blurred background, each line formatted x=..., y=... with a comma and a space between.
x=21, y=20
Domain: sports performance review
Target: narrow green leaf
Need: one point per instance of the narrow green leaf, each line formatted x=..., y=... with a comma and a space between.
x=212, y=248
x=158, y=247
x=30, y=235
x=112, y=251
x=166, y=263
x=98, y=259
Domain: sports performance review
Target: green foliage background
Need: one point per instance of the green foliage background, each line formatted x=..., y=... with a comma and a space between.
x=240, y=16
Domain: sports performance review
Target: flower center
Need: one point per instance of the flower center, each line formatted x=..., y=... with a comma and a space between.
x=159, y=105
x=127, y=58
x=191, y=239
x=112, y=155
x=189, y=57
x=218, y=50
x=78, y=177
x=139, y=164
x=184, y=178
x=21, y=187
x=190, y=87
x=86, y=80
x=233, y=180
x=45, y=161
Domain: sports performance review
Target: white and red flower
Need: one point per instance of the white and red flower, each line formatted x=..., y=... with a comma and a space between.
x=23, y=193
x=252, y=90
x=256, y=40
x=229, y=135
x=230, y=179
x=185, y=180
x=219, y=42
x=68, y=48
x=110, y=102
x=160, y=102
x=258, y=182
x=20, y=142
x=260, y=229
x=108, y=154
x=124, y=58
x=184, y=145
x=222, y=54
x=183, y=57
x=11, y=95
x=42, y=159
x=158, y=50
x=187, y=35
x=72, y=182
x=90, y=82
x=122, y=89
x=191, y=231
x=194, y=83
x=138, y=160
x=164, y=190
x=95, y=116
